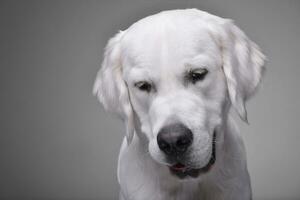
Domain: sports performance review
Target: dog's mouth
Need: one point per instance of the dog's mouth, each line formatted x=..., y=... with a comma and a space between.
x=182, y=171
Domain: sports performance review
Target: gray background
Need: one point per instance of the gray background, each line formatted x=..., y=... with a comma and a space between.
x=56, y=142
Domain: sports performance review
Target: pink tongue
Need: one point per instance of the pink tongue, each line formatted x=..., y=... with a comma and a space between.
x=178, y=167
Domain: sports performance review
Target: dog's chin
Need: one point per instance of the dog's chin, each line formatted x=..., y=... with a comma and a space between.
x=182, y=171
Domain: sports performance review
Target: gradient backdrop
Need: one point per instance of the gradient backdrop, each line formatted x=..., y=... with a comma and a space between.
x=56, y=141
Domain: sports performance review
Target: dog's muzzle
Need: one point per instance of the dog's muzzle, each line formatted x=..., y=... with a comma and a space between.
x=174, y=140
x=183, y=171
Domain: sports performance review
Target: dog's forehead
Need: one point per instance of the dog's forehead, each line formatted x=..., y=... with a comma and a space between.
x=163, y=40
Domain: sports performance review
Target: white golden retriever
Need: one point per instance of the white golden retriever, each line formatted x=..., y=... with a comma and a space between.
x=172, y=77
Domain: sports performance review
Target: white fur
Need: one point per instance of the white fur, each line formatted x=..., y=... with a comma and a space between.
x=160, y=49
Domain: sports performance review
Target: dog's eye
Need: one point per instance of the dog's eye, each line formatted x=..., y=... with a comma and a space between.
x=197, y=75
x=143, y=85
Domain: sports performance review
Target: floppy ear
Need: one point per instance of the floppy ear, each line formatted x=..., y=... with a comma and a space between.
x=110, y=87
x=243, y=65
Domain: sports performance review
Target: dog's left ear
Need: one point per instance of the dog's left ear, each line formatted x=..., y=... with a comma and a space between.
x=243, y=65
x=111, y=88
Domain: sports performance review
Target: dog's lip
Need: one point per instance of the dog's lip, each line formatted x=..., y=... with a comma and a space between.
x=178, y=167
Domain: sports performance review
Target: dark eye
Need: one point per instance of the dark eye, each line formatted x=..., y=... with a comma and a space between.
x=197, y=75
x=143, y=85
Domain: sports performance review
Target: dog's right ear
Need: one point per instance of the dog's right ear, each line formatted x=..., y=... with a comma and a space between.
x=110, y=87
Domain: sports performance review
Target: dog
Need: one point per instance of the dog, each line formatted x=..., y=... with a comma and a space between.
x=172, y=77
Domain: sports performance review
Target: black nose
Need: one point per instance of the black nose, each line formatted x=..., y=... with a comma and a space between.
x=174, y=139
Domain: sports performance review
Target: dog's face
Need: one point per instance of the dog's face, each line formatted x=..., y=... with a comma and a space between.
x=176, y=84
x=176, y=72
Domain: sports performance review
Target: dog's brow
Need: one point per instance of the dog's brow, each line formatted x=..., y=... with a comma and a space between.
x=139, y=74
x=200, y=61
x=190, y=66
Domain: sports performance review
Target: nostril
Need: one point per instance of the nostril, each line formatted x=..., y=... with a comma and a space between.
x=164, y=146
x=182, y=143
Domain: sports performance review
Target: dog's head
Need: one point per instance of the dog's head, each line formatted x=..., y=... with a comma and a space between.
x=176, y=73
